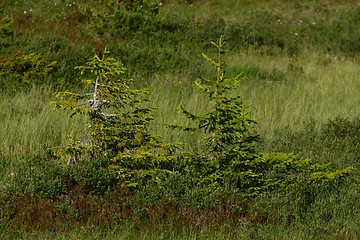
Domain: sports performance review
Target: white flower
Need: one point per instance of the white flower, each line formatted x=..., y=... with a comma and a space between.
x=25, y=12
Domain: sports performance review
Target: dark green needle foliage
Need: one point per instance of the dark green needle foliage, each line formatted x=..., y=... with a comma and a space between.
x=228, y=158
x=228, y=152
x=118, y=120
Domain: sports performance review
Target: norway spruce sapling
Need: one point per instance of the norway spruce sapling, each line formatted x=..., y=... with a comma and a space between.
x=93, y=104
x=228, y=158
x=228, y=149
x=118, y=121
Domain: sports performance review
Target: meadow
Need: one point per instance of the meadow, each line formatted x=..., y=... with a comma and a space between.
x=299, y=64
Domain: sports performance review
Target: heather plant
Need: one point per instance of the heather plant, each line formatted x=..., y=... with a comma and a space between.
x=35, y=177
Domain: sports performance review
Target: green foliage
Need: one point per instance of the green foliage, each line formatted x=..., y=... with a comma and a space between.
x=6, y=24
x=228, y=158
x=285, y=170
x=128, y=18
x=138, y=28
x=35, y=177
x=6, y=31
x=93, y=176
x=337, y=138
x=293, y=197
x=101, y=105
x=227, y=153
x=24, y=69
x=118, y=122
x=137, y=16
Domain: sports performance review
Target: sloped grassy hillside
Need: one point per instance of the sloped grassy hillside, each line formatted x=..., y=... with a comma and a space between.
x=299, y=62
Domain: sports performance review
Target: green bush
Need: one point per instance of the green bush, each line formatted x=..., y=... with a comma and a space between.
x=94, y=176
x=24, y=70
x=6, y=30
x=36, y=177
x=335, y=141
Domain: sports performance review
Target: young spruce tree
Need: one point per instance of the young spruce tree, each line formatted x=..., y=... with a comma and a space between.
x=228, y=151
x=228, y=158
x=118, y=121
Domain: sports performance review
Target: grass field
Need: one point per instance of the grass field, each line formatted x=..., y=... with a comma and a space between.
x=299, y=64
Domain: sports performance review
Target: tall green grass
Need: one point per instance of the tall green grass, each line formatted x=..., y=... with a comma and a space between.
x=294, y=83
x=312, y=86
x=30, y=125
x=281, y=91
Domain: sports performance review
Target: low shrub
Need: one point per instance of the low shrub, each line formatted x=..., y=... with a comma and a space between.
x=335, y=141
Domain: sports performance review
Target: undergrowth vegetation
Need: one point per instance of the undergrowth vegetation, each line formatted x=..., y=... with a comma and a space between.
x=265, y=146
